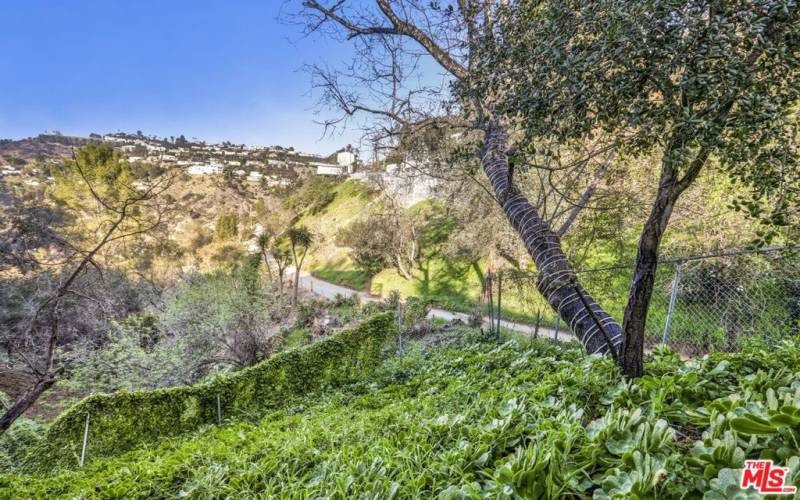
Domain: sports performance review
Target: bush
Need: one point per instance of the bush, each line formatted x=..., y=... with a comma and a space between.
x=227, y=226
x=126, y=420
x=15, y=444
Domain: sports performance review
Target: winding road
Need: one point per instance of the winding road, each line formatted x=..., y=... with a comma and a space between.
x=329, y=290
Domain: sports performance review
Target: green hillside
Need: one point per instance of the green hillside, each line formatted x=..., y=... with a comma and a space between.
x=327, y=260
x=478, y=419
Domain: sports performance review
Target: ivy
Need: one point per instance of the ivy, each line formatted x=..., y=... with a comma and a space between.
x=126, y=420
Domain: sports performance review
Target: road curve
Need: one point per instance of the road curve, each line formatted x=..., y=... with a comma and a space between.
x=330, y=290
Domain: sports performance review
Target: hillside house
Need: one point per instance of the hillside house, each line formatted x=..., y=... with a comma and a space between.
x=328, y=168
x=209, y=169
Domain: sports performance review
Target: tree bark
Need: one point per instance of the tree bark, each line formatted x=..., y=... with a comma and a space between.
x=556, y=280
x=634, y=320
x=641, y=291
x=25, y=401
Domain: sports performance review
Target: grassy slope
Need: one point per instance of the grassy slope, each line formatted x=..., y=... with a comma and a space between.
x=481, y=419
x=329, y=261
x=454, y=286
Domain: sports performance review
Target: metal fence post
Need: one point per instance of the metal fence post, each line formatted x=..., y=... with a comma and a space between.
x=676, y=281
x=219, y=412
x=85, y=440
x=399, y=326
x=558, y=324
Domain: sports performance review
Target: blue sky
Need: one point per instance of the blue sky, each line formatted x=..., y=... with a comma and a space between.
x=215, y=70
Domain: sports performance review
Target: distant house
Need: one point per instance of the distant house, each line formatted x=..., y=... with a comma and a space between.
x=135, y=159
x=233, y=163
x=209, y=169
x=346, y=159
x=168, y=158
x=328, y=168
x=239, y=172
x=406, y=183
x=255, y=176
x=253, y=163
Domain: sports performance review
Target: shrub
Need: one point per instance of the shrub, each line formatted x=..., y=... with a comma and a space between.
x=126, y=420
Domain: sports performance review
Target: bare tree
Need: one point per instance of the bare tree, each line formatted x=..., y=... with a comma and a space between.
x=123, y=211
x=395, y=80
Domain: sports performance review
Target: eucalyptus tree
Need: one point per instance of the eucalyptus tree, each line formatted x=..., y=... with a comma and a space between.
x=420, y=65
x=704, y=84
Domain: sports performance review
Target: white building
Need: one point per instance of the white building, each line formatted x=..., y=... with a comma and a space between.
x=328, y=168
x=347, y=159
x=239, y=172
x=255, y=176
x=209, y=169
x=406, y=183
x=135, y=159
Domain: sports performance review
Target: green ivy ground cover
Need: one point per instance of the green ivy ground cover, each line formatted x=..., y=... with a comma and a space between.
x=125, y=420
x=482, y=421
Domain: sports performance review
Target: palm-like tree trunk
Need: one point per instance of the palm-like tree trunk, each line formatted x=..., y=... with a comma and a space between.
x=556, y=280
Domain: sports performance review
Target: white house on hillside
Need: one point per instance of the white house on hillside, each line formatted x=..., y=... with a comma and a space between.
x=328, y=168
x=347, y=159
x=210, y=169
x=255, y=176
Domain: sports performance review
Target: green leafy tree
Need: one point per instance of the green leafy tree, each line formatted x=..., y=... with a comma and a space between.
x=701, y=84
x=548, y=95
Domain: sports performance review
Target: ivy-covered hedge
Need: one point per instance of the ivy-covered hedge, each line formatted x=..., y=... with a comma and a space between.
x=124, y=420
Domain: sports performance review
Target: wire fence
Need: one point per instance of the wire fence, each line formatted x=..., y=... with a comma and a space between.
x=700, y=304
x=708, y=303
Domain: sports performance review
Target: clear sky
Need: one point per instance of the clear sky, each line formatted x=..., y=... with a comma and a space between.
x=211, y=69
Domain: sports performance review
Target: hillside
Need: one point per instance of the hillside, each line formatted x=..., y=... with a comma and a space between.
x=474, y=419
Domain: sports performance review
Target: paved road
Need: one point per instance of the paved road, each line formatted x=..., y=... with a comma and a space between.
x=329, y=290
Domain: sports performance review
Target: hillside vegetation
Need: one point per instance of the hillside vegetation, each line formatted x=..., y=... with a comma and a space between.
x=476, y=419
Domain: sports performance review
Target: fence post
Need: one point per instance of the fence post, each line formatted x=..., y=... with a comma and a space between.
x=558, y=324
x=85, y=440
x=399, y=326
x=536, y=327
x=499, y=298
x=219, y=411
x=676, y=281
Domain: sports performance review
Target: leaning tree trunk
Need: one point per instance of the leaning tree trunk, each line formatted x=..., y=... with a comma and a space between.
x=556, y=280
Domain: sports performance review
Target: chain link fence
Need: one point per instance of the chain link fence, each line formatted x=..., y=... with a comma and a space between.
x=700, y=304
x=710, y=303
